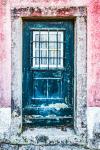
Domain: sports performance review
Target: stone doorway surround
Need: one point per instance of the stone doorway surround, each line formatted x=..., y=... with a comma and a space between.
x=50, y=136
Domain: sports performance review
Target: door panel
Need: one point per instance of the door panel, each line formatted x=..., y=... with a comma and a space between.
x=39, y=88
x=48, y=73
x=54, y=88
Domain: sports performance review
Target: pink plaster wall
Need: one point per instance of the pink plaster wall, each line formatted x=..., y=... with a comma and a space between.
x=93, y=45
x=47, y=3
x=5, y=55
x=93, y=64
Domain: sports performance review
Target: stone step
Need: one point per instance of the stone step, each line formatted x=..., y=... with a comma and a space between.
x=33, y=147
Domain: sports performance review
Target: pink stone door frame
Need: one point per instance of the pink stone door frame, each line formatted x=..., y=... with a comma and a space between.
x=79, y=133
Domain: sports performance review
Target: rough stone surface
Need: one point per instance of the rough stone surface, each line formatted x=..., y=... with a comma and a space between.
x=5, y=119
x=32, y=147
x=8, y=147
x=87, y=75
x=93, y=117
x=48, y=3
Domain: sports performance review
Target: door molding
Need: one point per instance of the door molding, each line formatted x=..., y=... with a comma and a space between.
x=79, y=133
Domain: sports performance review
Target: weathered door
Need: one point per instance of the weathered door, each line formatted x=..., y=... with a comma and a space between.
x=48, y=64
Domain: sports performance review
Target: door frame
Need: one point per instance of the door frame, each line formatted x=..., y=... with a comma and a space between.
x=80, y=65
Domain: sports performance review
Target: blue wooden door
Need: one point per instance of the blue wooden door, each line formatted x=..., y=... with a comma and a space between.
x=48, y=64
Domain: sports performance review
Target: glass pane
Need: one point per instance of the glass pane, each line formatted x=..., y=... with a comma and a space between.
x=36, y=61
x=53, y=36
x=43, y=61
x=59, y=61
x=43, y=45
x=40, y=88
x=43, y=58
x=52, y=53
x=54, y=88
x=44, y=37
x=52, y=61
x=59, y=53
x=37, y=45
x=43, y=53
x=53, y=46
x=60, y=36
x=59, y=45
x=36, y=37
x=36, y=53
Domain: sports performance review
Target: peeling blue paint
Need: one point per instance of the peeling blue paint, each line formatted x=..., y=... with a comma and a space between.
x=48, y=92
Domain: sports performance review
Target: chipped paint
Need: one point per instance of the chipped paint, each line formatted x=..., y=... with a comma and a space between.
x=57, y=106
x=52, y=8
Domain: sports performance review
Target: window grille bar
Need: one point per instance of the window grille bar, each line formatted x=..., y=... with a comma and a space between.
x=47, y=41
x=49, y=57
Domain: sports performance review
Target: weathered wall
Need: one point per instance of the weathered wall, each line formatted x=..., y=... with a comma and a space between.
x=5, y=42
x=93, y=69
x=93, y=57
x=5, y=55
x=5, y=66
x=47, y=3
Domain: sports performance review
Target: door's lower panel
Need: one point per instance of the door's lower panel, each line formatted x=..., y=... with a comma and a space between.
x=29, y=121
x=50, y=115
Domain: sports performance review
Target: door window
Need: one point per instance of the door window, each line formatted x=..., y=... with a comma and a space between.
x=47, y=49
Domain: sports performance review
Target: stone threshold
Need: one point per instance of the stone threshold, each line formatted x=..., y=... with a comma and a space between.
x=33, y=147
